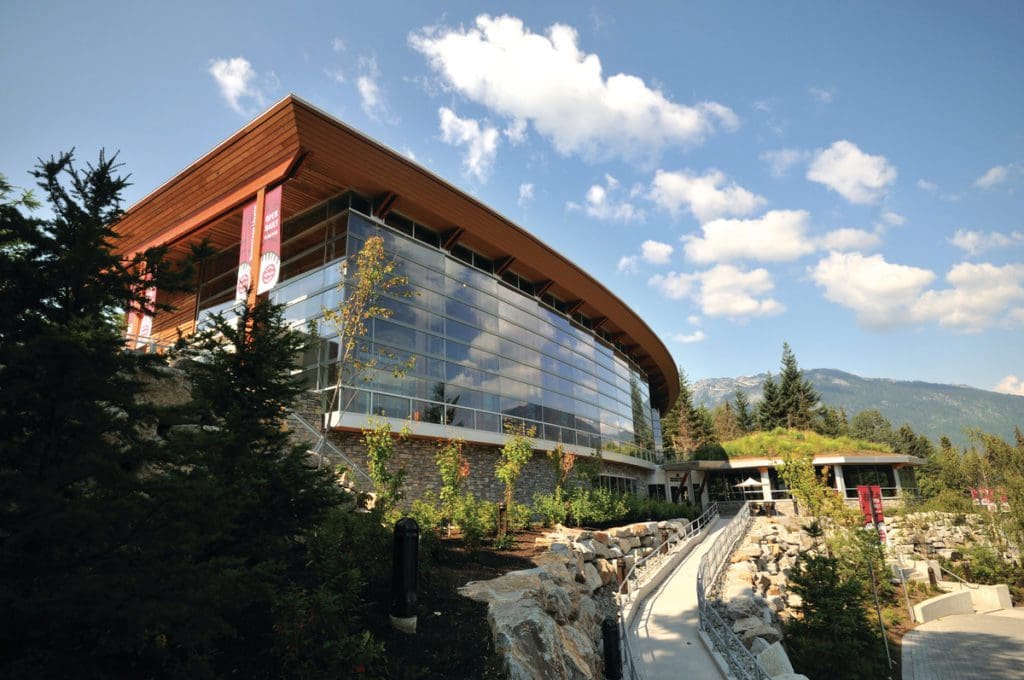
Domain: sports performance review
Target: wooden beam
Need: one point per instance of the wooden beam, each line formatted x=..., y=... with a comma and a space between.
x=225, y=204
x=540, y=288
x=574, y=307
x=257, y=247
x=700, y=491
x=450, y=238
x=382, y=204
x=502, y=265
x=599, y=321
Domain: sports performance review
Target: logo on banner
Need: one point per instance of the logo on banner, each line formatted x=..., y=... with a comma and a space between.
x=270, y=259
x=245, y=252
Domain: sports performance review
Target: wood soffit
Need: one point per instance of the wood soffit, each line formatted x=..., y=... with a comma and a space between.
x=318, y=156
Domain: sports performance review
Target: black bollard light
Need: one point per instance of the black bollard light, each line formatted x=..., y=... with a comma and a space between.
x=404, y=571
x=612, y=649
x=933, y=579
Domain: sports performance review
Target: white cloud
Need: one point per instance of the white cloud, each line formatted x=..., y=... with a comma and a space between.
x=548, y=81
x=776, y=236
x=370, y=94
x=481, y=142
x=409, y=153
x=980, y=296
x=881, y=293
x=601, y=205
x=723, y=290
x=1011, y=384
x=239, y=82
x=925, y=185
x=696, y=336
x=703, y=195
x=995, y=175
x=338, y=45
x=893, y=219
x=781, y=160
x=976, y=242
x=335, y=74
x=674, y=286
x=629, y=264
x=822, y=95
x=847, y=239
x=693, y=320
x=525, y=194
x=856, y=176
x=516, y=132
x=656, y=252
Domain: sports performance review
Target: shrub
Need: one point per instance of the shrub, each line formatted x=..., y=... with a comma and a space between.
x=550, y=507
x=429, y=517
x=476, y=519
x=519, y=516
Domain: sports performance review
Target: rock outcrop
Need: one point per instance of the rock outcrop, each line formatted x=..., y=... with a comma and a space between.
x=546, y=621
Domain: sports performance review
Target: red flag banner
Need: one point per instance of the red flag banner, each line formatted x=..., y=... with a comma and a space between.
x=879, y=510
x=864, y=496
x=146, y=325
x=270, y=260
x=245, y=252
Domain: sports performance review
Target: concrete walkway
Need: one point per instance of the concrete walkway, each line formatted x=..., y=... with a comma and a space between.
x=664, y=634
x=989, y=646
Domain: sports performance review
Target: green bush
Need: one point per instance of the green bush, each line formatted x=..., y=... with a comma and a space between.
x=519, y=516
x=429, y=516
x=550, y=507
x=476, y=519
x=596, y=506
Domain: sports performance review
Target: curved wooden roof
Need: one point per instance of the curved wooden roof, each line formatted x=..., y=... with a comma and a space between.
x=318, y=156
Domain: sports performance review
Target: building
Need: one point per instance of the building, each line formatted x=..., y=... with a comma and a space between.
x=501, y=328
x=757, y=478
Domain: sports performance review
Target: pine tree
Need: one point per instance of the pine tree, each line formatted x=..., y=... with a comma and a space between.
x=798, y=397
x=744, y=416
x=80, y=538
x=831, y=422
x=677, y=425
x=726, y=424
x=770, y=410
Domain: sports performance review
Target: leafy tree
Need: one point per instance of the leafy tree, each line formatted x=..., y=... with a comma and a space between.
x=561, y=463
x=454, y=468
x=871, y=426
x=374, y=276
x=513, y=457
x=833, y=623
x=908, y=442
x=380, y=451
x=726, y=424
x=771, y=411
x=744, y=416
x=797, y=396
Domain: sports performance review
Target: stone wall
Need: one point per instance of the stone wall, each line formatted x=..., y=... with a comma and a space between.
x=943, y=534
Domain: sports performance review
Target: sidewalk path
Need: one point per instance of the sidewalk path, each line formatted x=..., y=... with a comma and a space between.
x=966, y=646
x=664, y=634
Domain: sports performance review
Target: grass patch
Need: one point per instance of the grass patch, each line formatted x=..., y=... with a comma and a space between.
x=781, y=441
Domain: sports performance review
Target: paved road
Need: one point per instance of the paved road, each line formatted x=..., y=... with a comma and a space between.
x=665, y=630
x=966, y=646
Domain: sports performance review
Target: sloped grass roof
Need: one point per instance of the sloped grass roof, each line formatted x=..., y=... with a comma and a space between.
x=781, y=441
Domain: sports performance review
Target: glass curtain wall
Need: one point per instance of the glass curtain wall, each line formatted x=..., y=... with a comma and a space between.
x=483, y=351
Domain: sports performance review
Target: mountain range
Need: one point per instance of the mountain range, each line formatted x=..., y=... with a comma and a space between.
x=931, y=409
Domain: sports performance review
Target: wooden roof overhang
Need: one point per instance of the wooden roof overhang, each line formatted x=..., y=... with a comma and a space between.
x=317, y=156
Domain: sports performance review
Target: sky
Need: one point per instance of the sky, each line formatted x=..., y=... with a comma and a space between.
x=845, y=177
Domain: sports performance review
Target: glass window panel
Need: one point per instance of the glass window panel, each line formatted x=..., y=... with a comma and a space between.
x=427, y=412
x=391, y=407
x=462, y=417
x=489, y=422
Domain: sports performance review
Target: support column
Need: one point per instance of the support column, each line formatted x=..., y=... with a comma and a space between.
x=840, y=480
x=766, y=484
x=896, y=477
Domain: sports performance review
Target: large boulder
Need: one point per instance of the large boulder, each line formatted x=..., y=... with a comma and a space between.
x=774, y=660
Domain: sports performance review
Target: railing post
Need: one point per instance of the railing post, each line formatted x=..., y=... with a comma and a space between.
x=612, y=649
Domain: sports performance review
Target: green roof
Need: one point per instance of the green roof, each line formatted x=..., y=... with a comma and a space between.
x=781, y=441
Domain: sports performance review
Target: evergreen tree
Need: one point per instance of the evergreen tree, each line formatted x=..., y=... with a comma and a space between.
x=831, y=422
x=833, y=624
x=681, y=426
x=703, y=428
x=771, y=411
x=75, y=506
x=744, y=415
x=797, y=396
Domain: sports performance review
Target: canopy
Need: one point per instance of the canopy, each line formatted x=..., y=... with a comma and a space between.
x=748, y=482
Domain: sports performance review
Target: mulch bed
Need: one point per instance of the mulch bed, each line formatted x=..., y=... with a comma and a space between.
x=453, y=639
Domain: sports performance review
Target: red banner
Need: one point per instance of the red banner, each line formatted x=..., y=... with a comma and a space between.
x=245, y=252
x=146, y=325
x=876, y=503
x=270, y=260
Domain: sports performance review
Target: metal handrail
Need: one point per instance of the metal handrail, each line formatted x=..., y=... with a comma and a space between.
x=972, y=586
x=323, y=441
x=624, y=592
x=741, y=662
